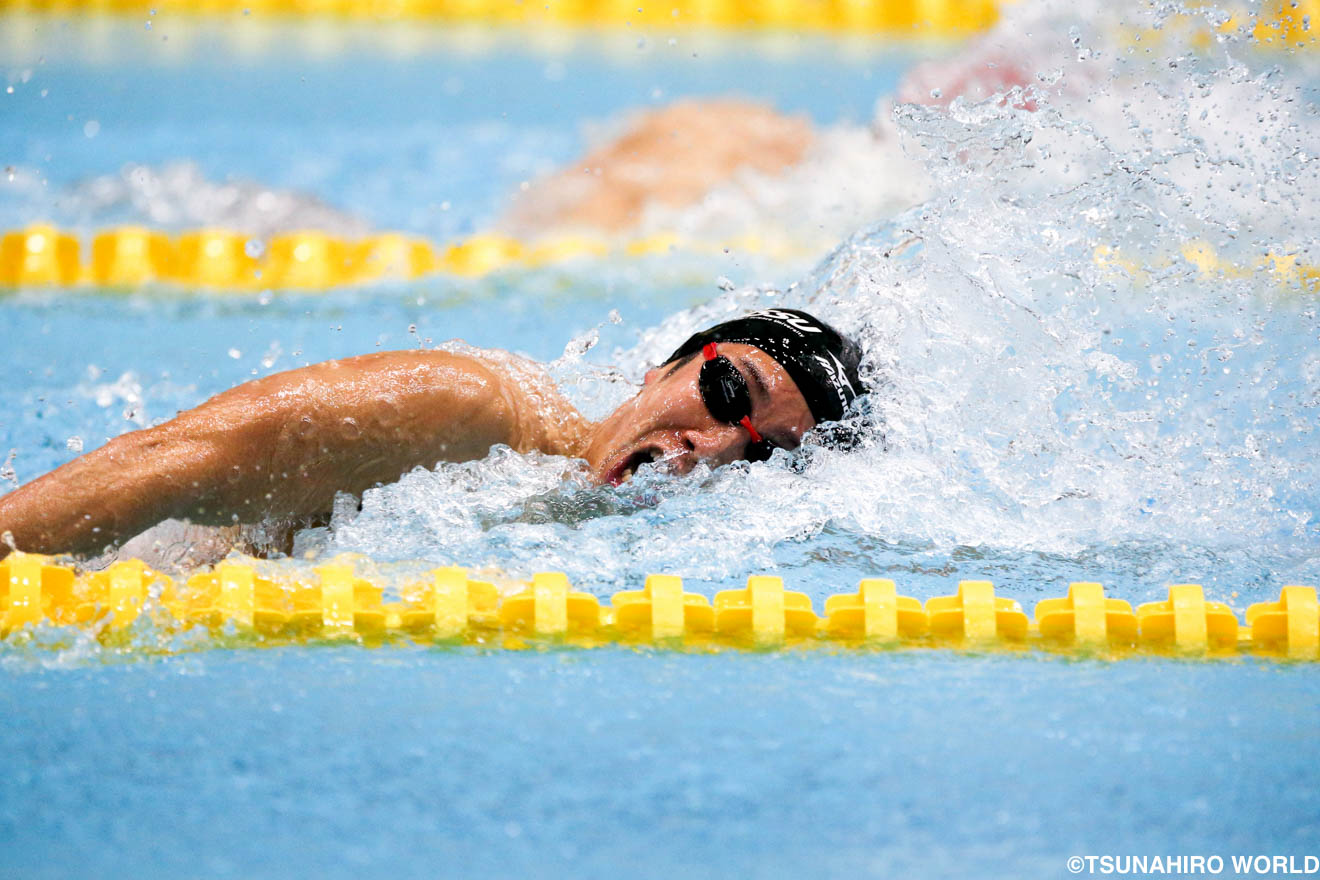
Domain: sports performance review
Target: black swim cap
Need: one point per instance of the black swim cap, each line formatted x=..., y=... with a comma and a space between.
x=821, y=361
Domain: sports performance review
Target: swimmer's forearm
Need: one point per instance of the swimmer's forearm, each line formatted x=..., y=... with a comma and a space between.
x=112, y=493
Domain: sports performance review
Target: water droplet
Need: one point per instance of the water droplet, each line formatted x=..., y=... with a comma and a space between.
x=272, y=355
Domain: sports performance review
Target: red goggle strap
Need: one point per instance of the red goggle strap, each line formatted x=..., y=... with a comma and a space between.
x=709, y=351
x=747, y=423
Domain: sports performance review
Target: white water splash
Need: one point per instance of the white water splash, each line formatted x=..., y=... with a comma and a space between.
x=178, y=195
x=1058, y=374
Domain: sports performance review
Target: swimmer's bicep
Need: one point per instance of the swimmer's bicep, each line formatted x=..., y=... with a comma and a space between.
x=364, y=421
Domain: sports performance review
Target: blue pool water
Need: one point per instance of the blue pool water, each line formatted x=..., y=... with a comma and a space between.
x=1046, y=418
x=387, y=128
x=340, y=762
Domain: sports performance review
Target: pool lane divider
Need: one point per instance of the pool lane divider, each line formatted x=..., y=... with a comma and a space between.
x=898, y=18
x=130, y=257
x=1275, y=24
x=282, y=604
x=225, y=260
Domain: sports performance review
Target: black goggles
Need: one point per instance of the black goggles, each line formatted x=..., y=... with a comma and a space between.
x=726, y=395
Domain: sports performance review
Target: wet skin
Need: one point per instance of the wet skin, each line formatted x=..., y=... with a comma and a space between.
x=281, y=447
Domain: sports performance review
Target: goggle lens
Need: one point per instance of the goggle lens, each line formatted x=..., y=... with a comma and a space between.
x=725, y=393
x=723, y=388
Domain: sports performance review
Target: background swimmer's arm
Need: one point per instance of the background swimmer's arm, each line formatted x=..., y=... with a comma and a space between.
x=282, y=446
x=672, y=156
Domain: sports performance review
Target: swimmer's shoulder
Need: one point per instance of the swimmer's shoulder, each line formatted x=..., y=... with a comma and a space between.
x=542, y=417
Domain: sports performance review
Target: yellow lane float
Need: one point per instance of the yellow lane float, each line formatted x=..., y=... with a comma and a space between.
x=306, y=260
x=1275, y=25
x=282, y=603
x=923, y=18
x=312, y=260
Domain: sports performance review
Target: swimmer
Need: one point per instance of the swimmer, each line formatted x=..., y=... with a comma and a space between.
x=282, y=447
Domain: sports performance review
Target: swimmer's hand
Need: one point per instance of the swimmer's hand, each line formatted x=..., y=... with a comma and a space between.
x=282, y=446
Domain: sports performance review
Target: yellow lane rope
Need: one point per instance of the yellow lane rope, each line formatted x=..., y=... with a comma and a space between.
x=1275, y=24
x=217, y=259
x=912, y=17
x=282, y=604
x=222, y=259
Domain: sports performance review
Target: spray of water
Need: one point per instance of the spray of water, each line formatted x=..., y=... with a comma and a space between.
x=1089, y=348
x=177, y=195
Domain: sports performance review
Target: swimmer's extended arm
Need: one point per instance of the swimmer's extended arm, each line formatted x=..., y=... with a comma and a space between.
x=283, y=446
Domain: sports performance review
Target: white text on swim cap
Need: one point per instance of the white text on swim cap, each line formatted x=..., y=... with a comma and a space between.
x=797, y=322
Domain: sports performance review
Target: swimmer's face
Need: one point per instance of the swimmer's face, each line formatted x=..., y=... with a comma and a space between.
x=668, y=420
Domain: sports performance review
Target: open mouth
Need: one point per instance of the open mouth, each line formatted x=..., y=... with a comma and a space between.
x=624, y=470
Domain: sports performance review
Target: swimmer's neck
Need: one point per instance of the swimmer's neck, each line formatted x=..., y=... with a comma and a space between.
x=565, y=432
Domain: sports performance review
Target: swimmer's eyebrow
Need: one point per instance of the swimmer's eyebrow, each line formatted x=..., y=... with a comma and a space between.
x=758, y=378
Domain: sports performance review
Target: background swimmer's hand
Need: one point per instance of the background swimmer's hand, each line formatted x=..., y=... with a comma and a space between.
x=975, y=78
x=283, y=446
x=671, y=157
x=998, y=64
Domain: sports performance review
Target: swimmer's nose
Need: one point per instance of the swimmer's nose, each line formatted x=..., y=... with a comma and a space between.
x=711, y=442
